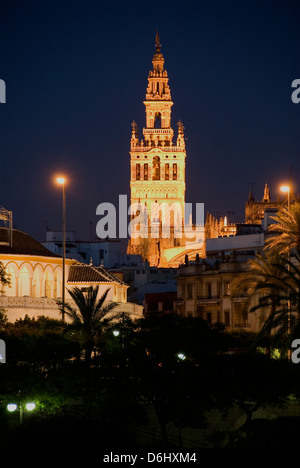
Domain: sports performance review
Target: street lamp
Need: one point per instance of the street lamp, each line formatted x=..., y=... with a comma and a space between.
x=12, y=407
x=286, y=189
x=181, y=356
x=62, y=182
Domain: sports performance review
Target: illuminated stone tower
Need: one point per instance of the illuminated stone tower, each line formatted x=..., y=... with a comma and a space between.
x=157, y=162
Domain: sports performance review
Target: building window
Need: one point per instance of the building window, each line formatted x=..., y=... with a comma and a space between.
x=218, y=288
x=227, y=288
x=167, y=171
x=227, y=317
x=200, y=311
x=157, y=121
x=145, y=171
x=174, y=171
x=156, y=168
x=189, y=291
x=138, y=172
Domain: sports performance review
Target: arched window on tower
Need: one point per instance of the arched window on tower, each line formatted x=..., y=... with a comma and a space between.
x=138, y=172
x=157, y=120
x=167, y=171
x=145, y=171
x=174, y=171
x=156, y=168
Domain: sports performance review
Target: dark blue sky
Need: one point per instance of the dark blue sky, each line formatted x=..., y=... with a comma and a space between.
x=76, y=77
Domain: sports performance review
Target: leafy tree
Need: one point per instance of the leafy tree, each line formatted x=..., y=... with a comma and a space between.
x=39, y=342
x=250, y=382
x=4, y=281
x=4, y=277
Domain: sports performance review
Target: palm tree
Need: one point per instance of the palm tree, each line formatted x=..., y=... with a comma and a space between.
x=281, y=294
x=90, y=316
x=263, y=278
x=286, y=242
x=261, y=275
x=286, y=229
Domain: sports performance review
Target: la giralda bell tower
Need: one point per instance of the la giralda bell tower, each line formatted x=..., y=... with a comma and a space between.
x=157, y=161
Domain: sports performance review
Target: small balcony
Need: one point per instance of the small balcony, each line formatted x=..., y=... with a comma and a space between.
x=240, y=298
x=208, y=299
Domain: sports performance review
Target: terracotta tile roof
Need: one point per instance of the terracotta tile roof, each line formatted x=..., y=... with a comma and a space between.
x=22, y=244
x=82, y=273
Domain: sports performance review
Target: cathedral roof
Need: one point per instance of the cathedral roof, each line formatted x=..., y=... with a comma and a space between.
x=22, y=244
x=83, y=273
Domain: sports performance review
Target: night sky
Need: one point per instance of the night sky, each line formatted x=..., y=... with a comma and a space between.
x=76, y=77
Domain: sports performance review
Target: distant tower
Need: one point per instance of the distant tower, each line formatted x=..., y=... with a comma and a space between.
x=255, y=209
x=157, y=163
x=266, y=197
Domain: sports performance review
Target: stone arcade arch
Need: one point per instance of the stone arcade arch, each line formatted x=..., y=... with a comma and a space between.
x=57, y=285
x=48, y=282
x=37, y=281
x=13, y=271
x=25, y=280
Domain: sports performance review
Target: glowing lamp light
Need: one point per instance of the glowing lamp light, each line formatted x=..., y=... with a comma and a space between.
x=116, y=333
x=11, y=407
x=60, y=180
x=30, y=406
x=181, y=356
x=285, y=188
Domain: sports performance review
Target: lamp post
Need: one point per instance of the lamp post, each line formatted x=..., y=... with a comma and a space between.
x=12, y=407
x=62, y=182
x=286, y=189
x=181, y=356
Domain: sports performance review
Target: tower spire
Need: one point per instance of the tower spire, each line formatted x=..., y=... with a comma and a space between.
x=157, y=43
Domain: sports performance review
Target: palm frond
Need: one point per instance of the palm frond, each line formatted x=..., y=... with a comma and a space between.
x=286, y=230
